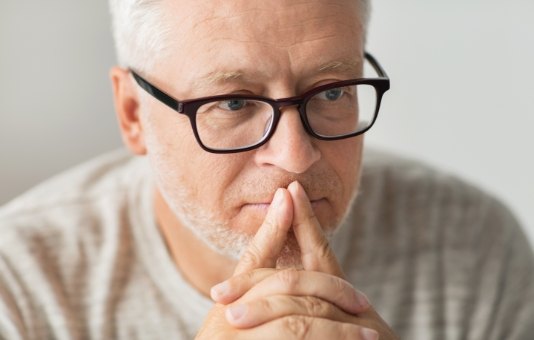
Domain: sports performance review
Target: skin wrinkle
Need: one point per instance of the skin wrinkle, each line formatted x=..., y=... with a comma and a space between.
x=214, y=78
x=341, y=65
x=274, y=44
x=129, y=55
x=207, y=193
x=302, y=23
x=222, y=238
x=351, y=67
x=233, y=39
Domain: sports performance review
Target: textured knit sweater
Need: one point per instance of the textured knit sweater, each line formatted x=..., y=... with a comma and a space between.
x=81, y=257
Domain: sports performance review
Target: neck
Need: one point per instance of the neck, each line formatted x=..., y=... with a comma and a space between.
x=201, y=266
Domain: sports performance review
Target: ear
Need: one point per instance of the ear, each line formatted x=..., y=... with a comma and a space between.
x=127, y=109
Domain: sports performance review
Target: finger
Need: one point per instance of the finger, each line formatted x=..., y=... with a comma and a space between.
x=293, y=282
x=372, y=319
x=233, y=288
x=305, y=327
x=315, y=250
x=266, y=245
x=257, y=312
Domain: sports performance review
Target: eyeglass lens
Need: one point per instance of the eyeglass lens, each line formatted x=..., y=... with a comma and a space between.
x=238, y=123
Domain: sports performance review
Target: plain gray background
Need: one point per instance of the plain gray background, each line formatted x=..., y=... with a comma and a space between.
x=462, y=93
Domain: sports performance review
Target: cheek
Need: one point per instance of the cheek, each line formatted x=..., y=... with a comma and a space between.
x=169, y=140
x=345, y=159
x=181, y=164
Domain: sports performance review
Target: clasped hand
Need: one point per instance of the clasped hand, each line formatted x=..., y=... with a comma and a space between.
x=262, y=302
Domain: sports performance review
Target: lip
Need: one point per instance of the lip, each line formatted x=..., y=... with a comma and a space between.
x=265, y=206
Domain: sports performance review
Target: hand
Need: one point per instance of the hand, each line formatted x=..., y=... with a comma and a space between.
x=315, y=302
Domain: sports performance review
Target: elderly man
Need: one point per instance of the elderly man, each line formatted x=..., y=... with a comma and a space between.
x=241, y=220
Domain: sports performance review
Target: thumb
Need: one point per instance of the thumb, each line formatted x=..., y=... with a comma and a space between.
x=266, y=245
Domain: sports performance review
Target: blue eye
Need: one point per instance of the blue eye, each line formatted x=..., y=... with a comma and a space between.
x=233, y=104
x=332, y=94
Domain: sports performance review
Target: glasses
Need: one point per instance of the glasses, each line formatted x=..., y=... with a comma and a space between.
x=236, y=123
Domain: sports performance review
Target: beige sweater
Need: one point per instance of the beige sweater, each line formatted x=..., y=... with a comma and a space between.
x=82, y=258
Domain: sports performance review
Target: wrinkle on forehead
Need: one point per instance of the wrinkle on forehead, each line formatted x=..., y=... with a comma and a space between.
x=251, y=42
x=279, y=23
x=349, y=66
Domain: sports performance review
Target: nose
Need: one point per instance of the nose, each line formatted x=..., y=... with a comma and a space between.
x=291, y=148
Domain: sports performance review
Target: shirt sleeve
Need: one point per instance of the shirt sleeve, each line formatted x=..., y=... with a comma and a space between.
x=11, y=320
x=503, y=299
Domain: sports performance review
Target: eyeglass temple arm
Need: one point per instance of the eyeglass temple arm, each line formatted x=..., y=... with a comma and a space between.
x=178, y=106
x=378, y=68
x=157, y=93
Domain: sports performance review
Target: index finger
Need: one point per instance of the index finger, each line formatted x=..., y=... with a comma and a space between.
x=267, y=244
x=315, y=249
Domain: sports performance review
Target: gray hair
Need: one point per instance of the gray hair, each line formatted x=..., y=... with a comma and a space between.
x=139, y=30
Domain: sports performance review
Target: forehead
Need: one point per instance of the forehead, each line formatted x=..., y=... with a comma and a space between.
x=215, y=38
x=269, y=21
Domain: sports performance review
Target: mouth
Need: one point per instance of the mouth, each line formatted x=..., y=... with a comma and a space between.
x=265, y=206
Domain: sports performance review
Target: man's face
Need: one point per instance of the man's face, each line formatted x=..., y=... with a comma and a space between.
x=270, y=48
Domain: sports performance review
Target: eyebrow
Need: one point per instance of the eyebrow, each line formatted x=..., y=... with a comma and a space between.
x=219, y=77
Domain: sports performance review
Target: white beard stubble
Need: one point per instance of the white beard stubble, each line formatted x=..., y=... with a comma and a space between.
x=217, y=235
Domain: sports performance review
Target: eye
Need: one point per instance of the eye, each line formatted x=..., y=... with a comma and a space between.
x=331, y=94
x=233, y=104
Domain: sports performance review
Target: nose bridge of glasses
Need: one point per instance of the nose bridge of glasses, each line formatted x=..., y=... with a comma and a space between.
x=298, y=102
x=289, y=102
x=286, y=102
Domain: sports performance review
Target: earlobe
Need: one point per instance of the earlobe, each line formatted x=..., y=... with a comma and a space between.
x=127, y=110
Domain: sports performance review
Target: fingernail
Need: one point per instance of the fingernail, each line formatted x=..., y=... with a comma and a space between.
x=278, y=198
x=295, y=190
x=362, y=301
x=235, y=312
x=293, y=186
x=368, y=334
x=219, y=290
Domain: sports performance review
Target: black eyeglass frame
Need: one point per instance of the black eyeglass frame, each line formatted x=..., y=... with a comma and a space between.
x=190, y=107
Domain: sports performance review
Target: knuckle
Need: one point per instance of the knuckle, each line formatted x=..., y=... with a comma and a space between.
x=297, y=326
x=315, y=306
x=311, y=217
x=271, y=225
x=251, y=256
x=307, y=219
x=289, y=278
x=339, y=285
x=248, y=276
x=321, y=253
x=241, y=283
x=265, y=306
x=344, y=291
